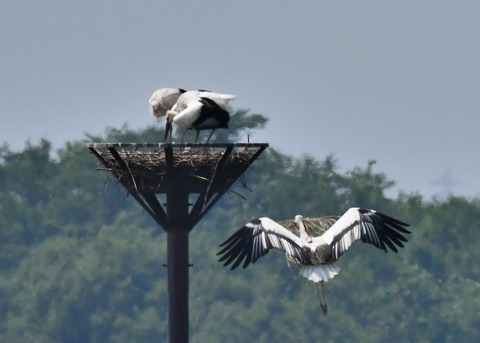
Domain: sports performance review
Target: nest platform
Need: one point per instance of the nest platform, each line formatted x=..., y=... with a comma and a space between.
x=149, y=169
x=162, y=168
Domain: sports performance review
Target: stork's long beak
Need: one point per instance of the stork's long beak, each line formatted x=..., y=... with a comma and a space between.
x=168, y=129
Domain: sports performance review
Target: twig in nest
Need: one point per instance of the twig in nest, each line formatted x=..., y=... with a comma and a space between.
x=199, y=177
x=131, y=176
x=236, y=193
x=243, y=182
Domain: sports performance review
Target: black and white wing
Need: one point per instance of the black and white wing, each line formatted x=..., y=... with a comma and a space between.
x=368, y=225
x=190, y=112
x=255, y=239
x=212, y=116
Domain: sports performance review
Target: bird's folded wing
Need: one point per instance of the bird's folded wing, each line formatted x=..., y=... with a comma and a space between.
x=189, y=114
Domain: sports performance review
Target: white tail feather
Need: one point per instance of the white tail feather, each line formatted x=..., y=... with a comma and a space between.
x=319, y=273
x=220, y=99
x=228, y=97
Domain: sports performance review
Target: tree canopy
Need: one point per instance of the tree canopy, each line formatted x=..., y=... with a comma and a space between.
x=80, y=261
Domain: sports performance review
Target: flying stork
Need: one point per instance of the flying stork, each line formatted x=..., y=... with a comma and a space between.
x=199, y=110
x=163, y=99
x=319, y=245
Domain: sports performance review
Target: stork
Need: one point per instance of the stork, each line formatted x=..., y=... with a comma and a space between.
x=163, y=99
x=320, y=244
x=199, y=110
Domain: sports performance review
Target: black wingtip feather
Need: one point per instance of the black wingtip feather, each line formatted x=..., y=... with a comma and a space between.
x=238, y=248
x=392, y=230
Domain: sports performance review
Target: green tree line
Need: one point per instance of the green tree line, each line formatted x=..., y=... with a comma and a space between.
x=80, y=261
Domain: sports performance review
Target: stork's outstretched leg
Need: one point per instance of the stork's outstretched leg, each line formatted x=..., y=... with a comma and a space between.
x=210, y=136
x=196, y=136
x=183, y=136
x=321, y=296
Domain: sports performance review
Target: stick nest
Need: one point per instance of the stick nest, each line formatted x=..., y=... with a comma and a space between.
x=193, y=171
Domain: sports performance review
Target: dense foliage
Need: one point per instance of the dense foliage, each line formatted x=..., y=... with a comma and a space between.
x=81, y=262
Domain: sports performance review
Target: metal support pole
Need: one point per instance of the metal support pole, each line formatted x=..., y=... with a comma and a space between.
x=177, y=264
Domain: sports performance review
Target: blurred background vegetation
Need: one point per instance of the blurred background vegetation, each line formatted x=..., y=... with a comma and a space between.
x=81, y=262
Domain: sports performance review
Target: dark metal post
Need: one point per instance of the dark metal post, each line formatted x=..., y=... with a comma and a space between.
x=177, y=264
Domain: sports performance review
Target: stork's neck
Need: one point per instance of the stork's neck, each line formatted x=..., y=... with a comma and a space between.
x=301, y=227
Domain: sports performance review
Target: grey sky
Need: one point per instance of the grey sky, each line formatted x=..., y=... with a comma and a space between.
x=393, y=81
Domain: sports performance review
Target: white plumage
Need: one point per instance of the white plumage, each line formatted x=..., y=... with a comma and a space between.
x=199, y=110
x=163, y=99
x=313, y=244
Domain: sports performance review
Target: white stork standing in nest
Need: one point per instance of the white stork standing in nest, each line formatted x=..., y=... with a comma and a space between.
x=199, y=110
x=163, y=99
x=320, y=244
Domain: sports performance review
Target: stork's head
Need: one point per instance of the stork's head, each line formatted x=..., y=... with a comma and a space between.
x=153, y=104
x=298, y=218
x=155, y=110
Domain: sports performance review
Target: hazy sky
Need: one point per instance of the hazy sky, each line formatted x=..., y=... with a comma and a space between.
x=394, y=81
